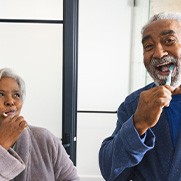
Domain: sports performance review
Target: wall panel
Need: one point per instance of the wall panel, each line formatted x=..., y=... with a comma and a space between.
x=35, y=52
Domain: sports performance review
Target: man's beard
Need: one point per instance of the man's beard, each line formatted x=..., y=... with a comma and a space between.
x=161, y=79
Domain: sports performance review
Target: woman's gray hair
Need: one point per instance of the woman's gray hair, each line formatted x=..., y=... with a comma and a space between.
x=163, y=15
x=7, y=72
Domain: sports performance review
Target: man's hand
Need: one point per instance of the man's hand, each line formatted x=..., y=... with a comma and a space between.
x=150, y=105
x=10, y=130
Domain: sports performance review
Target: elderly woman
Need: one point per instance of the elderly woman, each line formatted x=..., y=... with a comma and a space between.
x=27, y=153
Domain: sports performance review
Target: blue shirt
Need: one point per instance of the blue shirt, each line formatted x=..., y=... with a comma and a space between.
x=174, y=115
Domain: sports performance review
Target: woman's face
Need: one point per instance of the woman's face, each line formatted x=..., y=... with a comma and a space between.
x=10, y=98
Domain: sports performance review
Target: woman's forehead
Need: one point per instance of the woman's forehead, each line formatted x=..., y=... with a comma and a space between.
x=8, y=82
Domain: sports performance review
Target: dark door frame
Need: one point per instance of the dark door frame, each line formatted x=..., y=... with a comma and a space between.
x=70, y=68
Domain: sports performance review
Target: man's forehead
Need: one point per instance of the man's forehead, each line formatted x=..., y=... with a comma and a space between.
x=162, y=24
x=161, y=28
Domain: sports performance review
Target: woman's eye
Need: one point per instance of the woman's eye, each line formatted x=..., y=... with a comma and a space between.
x=1, y=94
x=17, y=95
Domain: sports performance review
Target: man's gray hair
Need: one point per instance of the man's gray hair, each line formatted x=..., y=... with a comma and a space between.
x=163, y=15
x=7, y=72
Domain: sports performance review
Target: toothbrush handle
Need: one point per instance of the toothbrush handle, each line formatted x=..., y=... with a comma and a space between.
x=168, y=82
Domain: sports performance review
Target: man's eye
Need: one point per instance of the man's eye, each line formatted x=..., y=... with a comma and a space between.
x=169, y=41
x=148, y=47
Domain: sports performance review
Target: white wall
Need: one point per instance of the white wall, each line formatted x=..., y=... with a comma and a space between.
x=140, y=15
x=104, y=49
x=35, y=52
x=103, y=76
x=166, y=5
x=32, y=9
x=107, y=56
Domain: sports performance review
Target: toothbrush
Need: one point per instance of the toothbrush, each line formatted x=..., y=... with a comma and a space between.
x=168, y=82
x=4, y=114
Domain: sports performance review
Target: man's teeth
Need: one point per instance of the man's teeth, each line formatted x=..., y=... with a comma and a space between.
x=164, y=68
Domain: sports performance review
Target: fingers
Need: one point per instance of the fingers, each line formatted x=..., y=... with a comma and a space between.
x=23, y=124
x=10, y=130
x=157, y=97
x=150, y=106
x=160, y=96
x=163, y=102
x=20, y=122
x=170, y=88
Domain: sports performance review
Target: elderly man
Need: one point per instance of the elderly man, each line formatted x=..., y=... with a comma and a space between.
x=146, y=144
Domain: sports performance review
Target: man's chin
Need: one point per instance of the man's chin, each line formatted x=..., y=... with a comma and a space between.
x=173, y=84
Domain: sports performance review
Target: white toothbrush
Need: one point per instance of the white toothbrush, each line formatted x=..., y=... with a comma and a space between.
x=4, y=114
x=168, y=82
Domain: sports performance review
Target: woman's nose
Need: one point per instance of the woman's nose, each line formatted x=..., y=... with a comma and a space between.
x=159, y=51
x=9, y=102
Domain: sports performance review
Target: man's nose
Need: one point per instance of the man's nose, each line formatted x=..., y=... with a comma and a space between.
x=159, y=51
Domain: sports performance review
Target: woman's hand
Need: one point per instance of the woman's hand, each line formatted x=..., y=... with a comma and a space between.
x=150, y=105
x=10, y=130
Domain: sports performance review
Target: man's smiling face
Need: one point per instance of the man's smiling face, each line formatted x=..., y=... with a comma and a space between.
x=162, y=48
